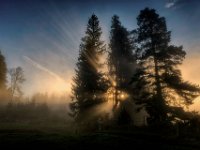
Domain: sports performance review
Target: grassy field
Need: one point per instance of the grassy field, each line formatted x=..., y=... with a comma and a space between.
x=30, y=126
x=61, y=136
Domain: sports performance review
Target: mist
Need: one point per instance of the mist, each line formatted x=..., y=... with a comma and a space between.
x=99, y=74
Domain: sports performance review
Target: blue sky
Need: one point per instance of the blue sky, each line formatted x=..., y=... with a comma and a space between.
x=44, y=36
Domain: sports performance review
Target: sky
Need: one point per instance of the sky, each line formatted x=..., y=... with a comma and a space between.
x=43, y=37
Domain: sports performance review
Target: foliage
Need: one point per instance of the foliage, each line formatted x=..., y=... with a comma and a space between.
x=158, y=81
x=17, y=78
x=3, y=72
x=121, y=64
x=122, y=61
x=89, y=83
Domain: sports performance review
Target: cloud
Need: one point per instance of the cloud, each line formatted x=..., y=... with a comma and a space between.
x=177, y=3
x=170, y=4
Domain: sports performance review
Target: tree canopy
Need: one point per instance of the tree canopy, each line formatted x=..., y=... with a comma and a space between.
x=121, y=58
x=89, y=84
x=158, y=81
x=3, y=73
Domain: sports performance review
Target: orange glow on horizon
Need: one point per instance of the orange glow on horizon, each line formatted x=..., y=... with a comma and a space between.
x=190, y=72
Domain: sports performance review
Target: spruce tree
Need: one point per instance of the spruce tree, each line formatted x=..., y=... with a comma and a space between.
x=3, y=72
x=89, y=84
x=158, y=81
x=121, y=57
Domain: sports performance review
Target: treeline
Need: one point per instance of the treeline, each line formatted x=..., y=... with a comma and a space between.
x=143, y=68
x=15, y=107
x=11, y=82
x=12, y=90
x=40, y=108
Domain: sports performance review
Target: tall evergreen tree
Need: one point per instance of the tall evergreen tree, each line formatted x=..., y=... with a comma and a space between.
x=3, y=72
x=158, y=81
x=89, y=83
x=121, y=61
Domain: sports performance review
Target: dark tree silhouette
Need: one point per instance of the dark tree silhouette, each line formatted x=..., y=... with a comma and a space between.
x=17, y=78
x=89, y=83
x=158, y=81
x=3, y=72
x=124, y=117
x=121, y=61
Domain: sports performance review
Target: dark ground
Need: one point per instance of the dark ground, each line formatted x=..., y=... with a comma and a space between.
x=59, y=136
x=30, y=126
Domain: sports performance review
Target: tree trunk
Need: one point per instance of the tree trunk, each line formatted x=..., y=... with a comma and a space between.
x=160, y=103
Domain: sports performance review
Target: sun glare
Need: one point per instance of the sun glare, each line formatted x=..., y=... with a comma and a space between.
x=56, y=87
x=112, y=94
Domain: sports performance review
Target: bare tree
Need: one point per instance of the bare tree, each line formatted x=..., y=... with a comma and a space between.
x=16, y=80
